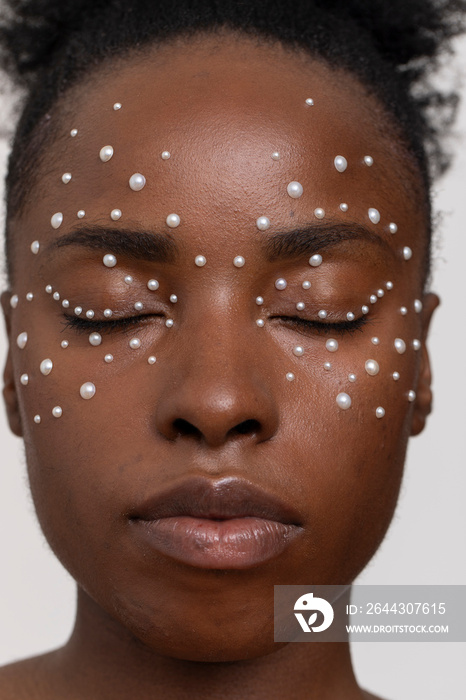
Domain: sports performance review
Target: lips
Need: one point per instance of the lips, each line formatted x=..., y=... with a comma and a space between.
x=223, y=524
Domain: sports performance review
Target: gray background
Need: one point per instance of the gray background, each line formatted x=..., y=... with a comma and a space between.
x=425, y=544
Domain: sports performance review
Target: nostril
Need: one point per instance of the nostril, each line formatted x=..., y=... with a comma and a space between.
x=185, y=428
x=247, y=427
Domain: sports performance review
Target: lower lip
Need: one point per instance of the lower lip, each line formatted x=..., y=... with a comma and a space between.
x=237, y=543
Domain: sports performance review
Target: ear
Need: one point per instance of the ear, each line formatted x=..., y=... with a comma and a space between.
x=423, y=402
x=9, y=388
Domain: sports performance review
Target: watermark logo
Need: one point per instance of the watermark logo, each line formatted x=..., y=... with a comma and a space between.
x=308, y=602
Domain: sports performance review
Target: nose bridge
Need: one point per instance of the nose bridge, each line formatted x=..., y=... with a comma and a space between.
x=218, y=387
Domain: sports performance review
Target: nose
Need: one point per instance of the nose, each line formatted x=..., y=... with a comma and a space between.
x=216, y=391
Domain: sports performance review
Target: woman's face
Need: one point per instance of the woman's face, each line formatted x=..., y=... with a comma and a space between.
x=245, y=332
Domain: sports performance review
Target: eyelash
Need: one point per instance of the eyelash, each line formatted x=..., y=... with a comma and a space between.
x=341, y=327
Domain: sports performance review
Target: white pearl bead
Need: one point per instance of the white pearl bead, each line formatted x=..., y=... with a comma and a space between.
x=295, y=189
x=66, y=178
x=56, y=296
x=417, y=306
x=380, y=293
x=403, y=310
x=108, y=358
x=309, y=101
x=138, y=306
x=260, y=322
x=46, y=366
x=400, y=346
x=24, y=379
x=319, y=213
x=57, y=220
x=134, y=343
x=380, y=412
x=351, y=377
x=396, y=376
x=90, y=313
x=365, y=309
x=117, y=106
x=78, y=310
x=81, y=214
x=350, y=316
x=57, y=412
x=169, y=323
x=137, y=182
x=95, y=339
x=411, y=395
x=48, y=289
x=322, y=314
x=173, y=298
x=315, y=260
x=115, y=214
x=152, y=360
x=200, y=260
x=275, y=155
x=306, y=284
x=128, y=279
x=416, y=344
x=393, y=228
x=259, y=301
x=290, y=376
x=21, y=340
x=340, y=163
x=407, y=253
x=298, y=350
x=344, y=206
x=343, y=401
x=106, y=153
x=372, y=367
x=65, y=303
x=374, y=215
x=87, y=390
x=373, y=298
x=73, y=133
x=29, y=296
x=35, y=245
x=165, y=155
x=152, y=285
x=263, y=223
x=375, y=341
x=327, y=365
x=14, y=301
x=109, y=260
x=173, y=220
x=37, y=419
x=368, y=160
x=300, y=306
x=281, y=283
x=389, y=285
x=108, y=313
x=239, y=261
x=64, y=344
x=332, y=345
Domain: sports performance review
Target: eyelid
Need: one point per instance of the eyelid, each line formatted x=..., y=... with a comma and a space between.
x=84, y=325
x=343, y=326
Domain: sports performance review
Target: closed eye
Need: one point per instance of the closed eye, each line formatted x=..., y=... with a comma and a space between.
x=341, y=327
x=86, y=325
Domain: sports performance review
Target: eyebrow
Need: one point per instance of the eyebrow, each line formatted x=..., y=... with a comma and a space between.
x=138, y=245
x=312, y=238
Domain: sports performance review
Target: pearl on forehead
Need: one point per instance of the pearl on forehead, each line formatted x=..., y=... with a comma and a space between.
x=87, y=390
x=108, y=358
x=365, y=309
x=260, y=322
x=239, y=261
x=300, y=306
x=24, y=379
x=396, y=376
x=138, y=306
x=173, y=298
x=90, y=313
x=281, y=283
x=115, y=214
x=369, y=160
x=49, y=289
x=275, y=155
x=403, y=310
x=372, y=367
x=95, y=339
x=117, y=106
x=327, y=365
x=380, y=412
x=152, y=285
x=407, y=253
x=21, y=340
x=340, y=163
x=298, y=350
x=35, y=245
x=389, y=285
x=263, y=223
x=14, y=301
x=106, y=153
x=109, y=260
x=46, y=366
x=37, y=419
x=400, y=346
x=319, y=213
x=310, y=101
x=165, y=155
x=417, y=306
x=81, y=214
x=411, y=395
x=416, y=344
x=64, y=344
x=306, y=284
x=332, y=345
x=134, y=343
x=322, y=314
x=375, y=341
x=128, y=279
x=259, y=301
x=173, y=220
x=29, y=296
x=315, y=260
x=351, y=377
x=65, y=303
x=66, y=178
x=169, y=323
x=344, y=206
x=343, y=401
x=57, y=412
x=137, y=182
x=295, y=189
x=290, y=376
x=374, y=215
x=350, y=316
x=393, y=228
x=200, y=260
x=108, y=313
x=56, y=296
x=78, y=310
x=57, y=220
x=152, y=360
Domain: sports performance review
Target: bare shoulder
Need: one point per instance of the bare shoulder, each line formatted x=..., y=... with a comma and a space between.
x=26, y=679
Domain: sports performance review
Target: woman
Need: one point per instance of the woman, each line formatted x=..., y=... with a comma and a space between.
x=218, y=243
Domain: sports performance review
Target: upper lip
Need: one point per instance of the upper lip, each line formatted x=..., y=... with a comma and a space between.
x=203, y=497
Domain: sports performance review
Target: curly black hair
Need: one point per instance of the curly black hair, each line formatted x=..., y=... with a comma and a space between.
x=392, y=46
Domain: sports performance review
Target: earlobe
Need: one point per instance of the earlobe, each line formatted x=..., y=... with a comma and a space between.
x=10, y=395
x=423, y=402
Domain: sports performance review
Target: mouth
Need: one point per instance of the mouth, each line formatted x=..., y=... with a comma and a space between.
x=223, y=524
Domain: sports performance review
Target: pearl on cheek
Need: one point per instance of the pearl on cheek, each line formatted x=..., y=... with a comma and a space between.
x=343, y=401
x=137, y=182
x=295, y=189
x=87, y=390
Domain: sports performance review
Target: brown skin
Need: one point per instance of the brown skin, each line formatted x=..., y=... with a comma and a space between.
x=145, y=621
